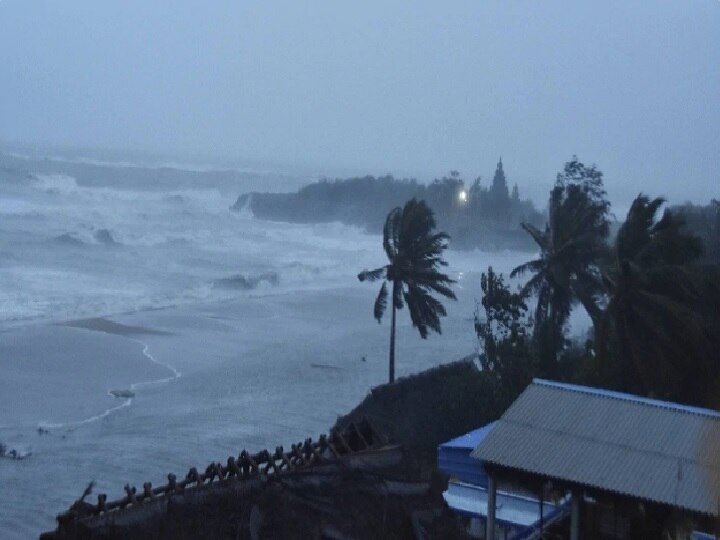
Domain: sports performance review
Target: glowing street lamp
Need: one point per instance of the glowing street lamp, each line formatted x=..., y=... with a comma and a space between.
x=463, y=196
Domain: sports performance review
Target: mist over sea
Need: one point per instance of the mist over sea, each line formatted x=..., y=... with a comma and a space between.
x=220, y=331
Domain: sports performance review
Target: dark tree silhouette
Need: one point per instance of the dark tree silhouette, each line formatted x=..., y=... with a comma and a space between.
x=657, y=336
x=571, y=248
x=502, y=328
x=414, y=252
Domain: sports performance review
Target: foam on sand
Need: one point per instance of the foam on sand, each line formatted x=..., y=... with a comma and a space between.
x=127, y=394
x=52, y=397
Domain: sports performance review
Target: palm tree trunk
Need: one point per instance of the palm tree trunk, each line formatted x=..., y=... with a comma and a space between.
x=592, y=309
x=392, y=338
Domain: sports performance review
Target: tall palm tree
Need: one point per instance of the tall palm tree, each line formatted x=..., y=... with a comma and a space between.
x=414, y=253
x=571, y=247
x=654, y=338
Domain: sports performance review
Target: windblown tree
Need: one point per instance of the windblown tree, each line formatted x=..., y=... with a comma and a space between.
x=571, y=248
x=414, y=251
x=501, y=326
x=659, y=336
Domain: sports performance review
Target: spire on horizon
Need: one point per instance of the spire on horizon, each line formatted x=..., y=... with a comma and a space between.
x=499, y=185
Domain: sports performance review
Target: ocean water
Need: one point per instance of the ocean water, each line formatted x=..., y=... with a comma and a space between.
x=261, y=334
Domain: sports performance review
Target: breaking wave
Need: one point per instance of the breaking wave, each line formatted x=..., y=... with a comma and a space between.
x=169, y=247
x=68, y=239
x=247, y=282
x=104, y=236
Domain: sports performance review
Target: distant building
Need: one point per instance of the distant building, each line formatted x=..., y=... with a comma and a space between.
x=631, y=466
x=499, y=188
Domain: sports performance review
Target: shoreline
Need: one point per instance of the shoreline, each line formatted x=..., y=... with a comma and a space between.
x=463, y=260
x=52, y=400
x=242, y=361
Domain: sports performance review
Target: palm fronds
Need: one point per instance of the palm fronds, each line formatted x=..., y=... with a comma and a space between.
x=415, y=254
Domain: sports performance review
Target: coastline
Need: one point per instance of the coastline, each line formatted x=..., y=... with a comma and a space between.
x=248, y=382
x=38, y=359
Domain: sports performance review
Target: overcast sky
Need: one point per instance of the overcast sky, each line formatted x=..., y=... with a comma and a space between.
x=379, y=86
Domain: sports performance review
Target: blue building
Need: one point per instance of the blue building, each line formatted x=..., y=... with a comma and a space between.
x=518, y=514
x=631, y=467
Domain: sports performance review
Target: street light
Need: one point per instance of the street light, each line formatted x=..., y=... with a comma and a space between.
x=463, y=196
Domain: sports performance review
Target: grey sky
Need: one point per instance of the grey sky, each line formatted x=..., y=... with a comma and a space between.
x=376, y=86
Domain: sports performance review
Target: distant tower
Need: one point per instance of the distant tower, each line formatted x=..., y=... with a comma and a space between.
x=515, y=193
x=499, y=187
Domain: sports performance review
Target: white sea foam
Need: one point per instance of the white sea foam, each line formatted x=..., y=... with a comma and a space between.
x=169, y=248
x=61, y=184
x=54, y=425
x=175, y=373
x=146, y=164
x=173, y=245
x=18, y=207
x=127, y=402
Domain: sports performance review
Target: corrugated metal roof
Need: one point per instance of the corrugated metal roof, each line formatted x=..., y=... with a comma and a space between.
x=653, y=450
x=471, y=439
x=454, y=457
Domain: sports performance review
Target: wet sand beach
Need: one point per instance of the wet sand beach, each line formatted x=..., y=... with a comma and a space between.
x=249, y=380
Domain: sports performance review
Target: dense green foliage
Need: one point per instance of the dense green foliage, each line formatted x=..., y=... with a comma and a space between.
x=430, y=408
x=414, y=251
x=570, y=249
x=649, y=292
x=653, y=339
x=503, y=329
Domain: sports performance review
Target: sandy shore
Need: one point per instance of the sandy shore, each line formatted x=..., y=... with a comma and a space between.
x=101, y=324
x=258, y=371
x=61, y=374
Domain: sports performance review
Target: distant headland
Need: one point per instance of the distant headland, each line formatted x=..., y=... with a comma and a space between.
x=475, y=216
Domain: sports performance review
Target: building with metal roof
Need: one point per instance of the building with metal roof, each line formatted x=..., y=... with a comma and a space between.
x=454, y=457
x=596, y=443
x=517, y=514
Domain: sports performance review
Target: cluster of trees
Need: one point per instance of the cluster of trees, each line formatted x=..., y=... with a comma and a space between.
x=475, y=216
x=649, y=292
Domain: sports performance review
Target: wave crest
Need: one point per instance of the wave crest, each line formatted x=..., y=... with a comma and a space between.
x=247, y=282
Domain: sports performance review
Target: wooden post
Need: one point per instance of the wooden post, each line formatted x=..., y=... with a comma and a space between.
x=492, y=492
x=576, y=498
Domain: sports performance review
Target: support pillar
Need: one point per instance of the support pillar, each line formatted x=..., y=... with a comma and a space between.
x=576, y=499
x=492, y=491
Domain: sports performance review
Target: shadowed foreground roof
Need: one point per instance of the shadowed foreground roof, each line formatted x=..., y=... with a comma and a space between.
x=653, y=450
x=352, y=483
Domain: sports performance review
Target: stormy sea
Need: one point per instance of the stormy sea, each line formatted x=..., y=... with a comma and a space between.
x=145, y=328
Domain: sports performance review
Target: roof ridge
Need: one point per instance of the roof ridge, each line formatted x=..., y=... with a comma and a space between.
x=695, y=460
x=633, y=398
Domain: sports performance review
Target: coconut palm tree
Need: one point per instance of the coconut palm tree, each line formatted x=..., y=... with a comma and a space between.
x=414, y=253
x=654, y=337
x=567, y=270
